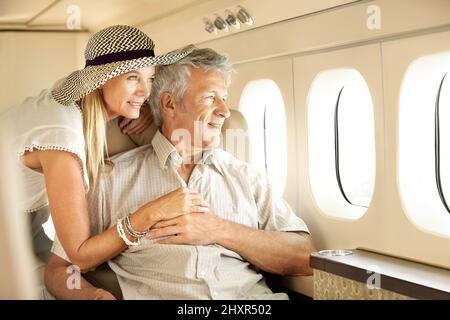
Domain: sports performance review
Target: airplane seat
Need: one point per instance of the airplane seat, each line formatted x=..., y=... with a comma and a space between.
x=17, y=276
x=118, y=142
x=235, y=139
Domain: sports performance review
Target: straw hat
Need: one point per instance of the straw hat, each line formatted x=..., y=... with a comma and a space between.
x=109, y=53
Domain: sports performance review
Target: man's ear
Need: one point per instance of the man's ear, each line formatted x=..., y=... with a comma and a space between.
x=167, y=102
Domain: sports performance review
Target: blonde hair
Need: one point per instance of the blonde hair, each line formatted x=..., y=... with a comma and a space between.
x=94, y=129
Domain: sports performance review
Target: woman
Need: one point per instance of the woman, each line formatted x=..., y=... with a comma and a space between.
x=60, y=139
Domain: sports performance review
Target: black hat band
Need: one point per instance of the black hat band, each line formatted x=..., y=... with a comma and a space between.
x=119, y=56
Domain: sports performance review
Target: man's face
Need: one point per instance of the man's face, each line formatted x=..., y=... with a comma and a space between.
x=203, y=110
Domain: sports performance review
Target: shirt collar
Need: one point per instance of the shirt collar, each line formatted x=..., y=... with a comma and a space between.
x=165, y=151
x=210, y=158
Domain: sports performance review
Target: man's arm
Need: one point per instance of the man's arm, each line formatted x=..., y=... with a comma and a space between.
x=285, y=253
x=64, y=285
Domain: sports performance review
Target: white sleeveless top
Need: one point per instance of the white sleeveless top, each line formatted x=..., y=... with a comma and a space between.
x=41, y=123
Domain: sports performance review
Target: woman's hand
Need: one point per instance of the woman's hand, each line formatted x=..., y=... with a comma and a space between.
x=137, y=126
x=176, y=203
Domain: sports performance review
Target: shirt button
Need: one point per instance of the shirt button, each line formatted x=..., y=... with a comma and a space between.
x=177, y=160
x=202, y=273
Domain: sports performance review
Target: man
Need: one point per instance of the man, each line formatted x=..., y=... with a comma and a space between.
x=205, y=255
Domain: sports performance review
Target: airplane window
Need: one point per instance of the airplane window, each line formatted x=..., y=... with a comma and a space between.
x=442, y=149
x=262, y=105
x=424, y=143
x=353, y=156
x=341, y=143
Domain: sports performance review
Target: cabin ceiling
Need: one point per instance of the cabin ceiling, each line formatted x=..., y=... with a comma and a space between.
x=53, y=14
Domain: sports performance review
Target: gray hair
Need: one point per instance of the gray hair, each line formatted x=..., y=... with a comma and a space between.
x=174, y=78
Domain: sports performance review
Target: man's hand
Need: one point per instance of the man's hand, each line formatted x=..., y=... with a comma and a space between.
x=194, y=229
x=137, y=126
x=176, y=203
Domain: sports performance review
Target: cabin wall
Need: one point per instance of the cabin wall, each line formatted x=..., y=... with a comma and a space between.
x=187, y=26
x=35, y=60
x=341, y=26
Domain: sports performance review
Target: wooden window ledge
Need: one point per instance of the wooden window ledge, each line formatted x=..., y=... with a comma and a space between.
x=405, y=277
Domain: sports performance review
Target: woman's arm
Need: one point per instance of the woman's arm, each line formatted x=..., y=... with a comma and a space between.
x=68, y=284
x=68, y=206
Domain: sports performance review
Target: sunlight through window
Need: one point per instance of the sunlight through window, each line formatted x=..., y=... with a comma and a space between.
x=262, y=105
x=341, y=143
x=424, y=143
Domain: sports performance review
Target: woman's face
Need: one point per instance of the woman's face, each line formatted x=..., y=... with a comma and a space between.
x=124, y=95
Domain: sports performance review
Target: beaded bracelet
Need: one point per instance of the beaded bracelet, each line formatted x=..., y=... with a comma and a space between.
x=124, y=236
x=130, y=230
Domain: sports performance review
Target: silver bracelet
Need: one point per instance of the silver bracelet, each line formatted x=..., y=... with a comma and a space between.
x=130, y=230
x=123, y=236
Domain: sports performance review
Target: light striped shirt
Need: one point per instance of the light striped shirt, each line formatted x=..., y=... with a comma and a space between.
x=235, y=190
